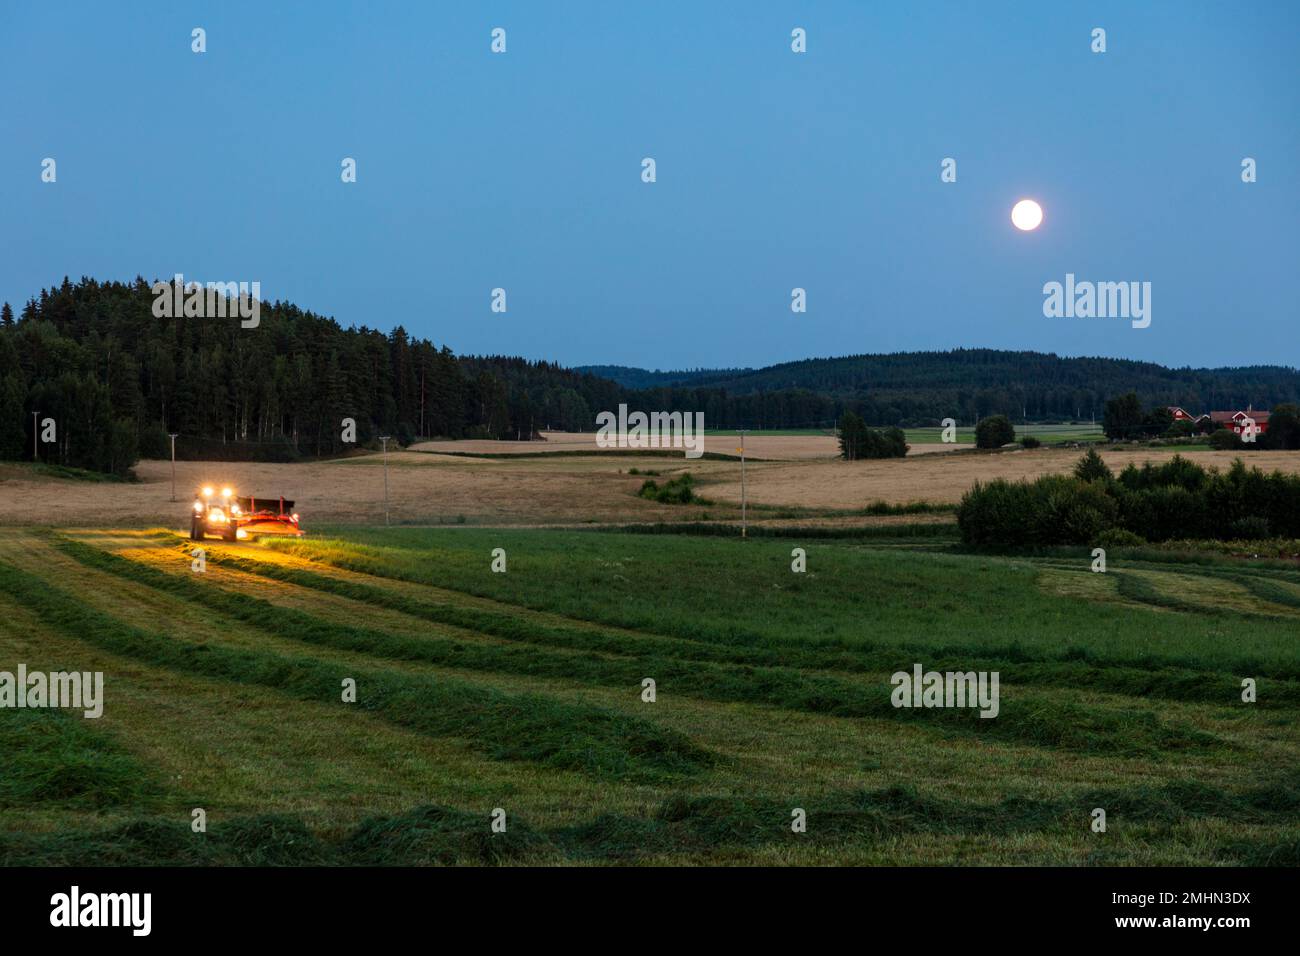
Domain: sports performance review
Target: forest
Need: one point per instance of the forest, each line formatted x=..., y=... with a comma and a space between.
x=114, y=380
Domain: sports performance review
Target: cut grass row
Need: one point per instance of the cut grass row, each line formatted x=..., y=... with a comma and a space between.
x=60, y=759
x=509, y=727
x=1024, y=717
x=853, y=595
x=678, y=826
x=1067, y=664
x=681, y=659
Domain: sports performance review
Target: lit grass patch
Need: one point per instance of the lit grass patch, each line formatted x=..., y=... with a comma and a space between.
x=507, y=726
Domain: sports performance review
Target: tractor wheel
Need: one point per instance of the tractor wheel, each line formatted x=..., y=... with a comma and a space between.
x=228, y=534
x=196, y=530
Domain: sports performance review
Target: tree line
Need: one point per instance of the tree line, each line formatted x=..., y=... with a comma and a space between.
x=917, y=389
x=115, y=380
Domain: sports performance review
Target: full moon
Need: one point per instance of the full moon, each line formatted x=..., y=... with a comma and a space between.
x=1026, y=215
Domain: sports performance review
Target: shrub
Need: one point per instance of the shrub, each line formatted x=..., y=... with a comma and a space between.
x=675, y=491
x=1118, y=538
x=1029, y=441
x=1163, y=512
x=891, y=443
x=1070, y=511
x=1225, y=439
x=994, y=432
x=995, y=513
x=1054, y=509
x=1178, y=472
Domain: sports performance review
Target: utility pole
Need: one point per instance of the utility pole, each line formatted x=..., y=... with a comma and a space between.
x=744, y=525
x=35, y=457
x=384, y=439
x=173, y=438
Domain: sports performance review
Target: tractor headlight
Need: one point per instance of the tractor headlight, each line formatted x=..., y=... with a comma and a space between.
x=207, y=492
x=226, y=492
x=198, y=507
x=217, y=516
x=241, y=534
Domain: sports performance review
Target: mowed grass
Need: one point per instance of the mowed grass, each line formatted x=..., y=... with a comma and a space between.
x=523, y=691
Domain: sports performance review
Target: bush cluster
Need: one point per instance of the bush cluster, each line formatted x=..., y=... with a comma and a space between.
x=1176, y=500
x=675, y=491
x=858, y=441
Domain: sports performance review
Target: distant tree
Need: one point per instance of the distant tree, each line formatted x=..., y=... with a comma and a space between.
x=853, y=436
x=1091, y=467
x=1123, y=417
x=1283, y=427
x=12, y=418
x=6, y=315
x=994, y=432
x=1157, y=421
x=858, y=441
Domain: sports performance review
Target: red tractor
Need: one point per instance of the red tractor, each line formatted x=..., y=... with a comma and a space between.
x=234, y=518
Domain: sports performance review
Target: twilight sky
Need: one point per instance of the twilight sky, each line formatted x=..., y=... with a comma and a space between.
x=775, y=170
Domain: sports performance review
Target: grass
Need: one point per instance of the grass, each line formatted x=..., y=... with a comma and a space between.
x=58, y=759
x=522, y=690
x=1047, y=434
x=65, y=472
x=509, y=727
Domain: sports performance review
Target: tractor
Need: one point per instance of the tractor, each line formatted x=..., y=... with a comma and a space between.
x=232, y=517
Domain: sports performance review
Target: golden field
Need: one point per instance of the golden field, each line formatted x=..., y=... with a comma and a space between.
x=458, y=482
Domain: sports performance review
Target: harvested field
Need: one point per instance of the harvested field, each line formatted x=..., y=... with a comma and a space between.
x=431, y=488
x=776, y=447
x=522, y=690
x=940, y=478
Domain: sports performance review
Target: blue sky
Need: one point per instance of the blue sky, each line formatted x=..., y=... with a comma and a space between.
x=775, y=170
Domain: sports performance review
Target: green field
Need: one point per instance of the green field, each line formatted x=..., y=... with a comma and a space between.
x=1047, y=434
x=523, y=691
